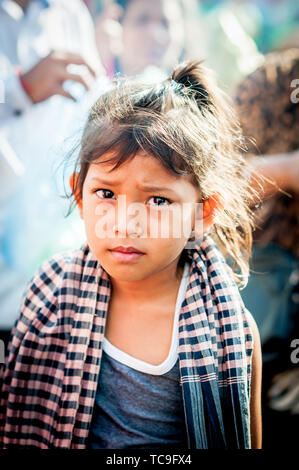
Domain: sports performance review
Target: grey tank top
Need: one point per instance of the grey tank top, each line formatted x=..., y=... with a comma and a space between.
x=137, y=404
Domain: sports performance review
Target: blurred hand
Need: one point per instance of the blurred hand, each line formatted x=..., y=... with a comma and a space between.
x=293, y=171
x=279, y=171
x=46, y=78
x=284, y=391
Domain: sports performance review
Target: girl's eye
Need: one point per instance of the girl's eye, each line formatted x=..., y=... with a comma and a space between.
x=107, y=194
x=160, y=201
x=104, y=193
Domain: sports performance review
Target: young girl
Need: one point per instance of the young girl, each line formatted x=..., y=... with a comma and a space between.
x=139, y=339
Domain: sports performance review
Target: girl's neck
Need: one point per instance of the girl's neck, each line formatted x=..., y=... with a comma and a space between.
x=159, y=286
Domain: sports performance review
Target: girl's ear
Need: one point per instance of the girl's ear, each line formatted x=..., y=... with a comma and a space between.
x=204, y=217
x=73, y=185
x=209, y=207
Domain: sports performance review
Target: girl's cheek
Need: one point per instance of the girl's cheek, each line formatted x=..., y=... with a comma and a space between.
x=104, y=220
x=168, y=223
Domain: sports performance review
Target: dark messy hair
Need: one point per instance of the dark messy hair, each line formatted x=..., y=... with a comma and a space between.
x=187, y=123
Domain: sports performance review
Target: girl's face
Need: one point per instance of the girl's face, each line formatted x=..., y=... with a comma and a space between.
x=141, y=205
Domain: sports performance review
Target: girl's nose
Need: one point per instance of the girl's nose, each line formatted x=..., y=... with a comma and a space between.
x=127, y=228
x=134, y=233
x=129, y=220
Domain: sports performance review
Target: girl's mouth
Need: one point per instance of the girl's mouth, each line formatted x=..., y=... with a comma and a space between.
x=127, y=255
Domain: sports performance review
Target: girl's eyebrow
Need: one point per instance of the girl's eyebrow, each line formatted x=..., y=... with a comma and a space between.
x=145, y=188
x=102, y=181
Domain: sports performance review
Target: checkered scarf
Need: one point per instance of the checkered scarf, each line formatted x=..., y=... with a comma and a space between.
x=53, y=361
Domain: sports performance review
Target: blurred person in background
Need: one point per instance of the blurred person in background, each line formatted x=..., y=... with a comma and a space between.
x=48, y=60
x=139, y=34
x=231, y=35
x=39, y=40
x=268, y=106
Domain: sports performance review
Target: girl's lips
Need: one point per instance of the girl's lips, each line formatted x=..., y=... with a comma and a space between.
x=125, y=256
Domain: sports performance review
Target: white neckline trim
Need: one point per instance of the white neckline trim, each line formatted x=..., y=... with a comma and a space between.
x=171, y=359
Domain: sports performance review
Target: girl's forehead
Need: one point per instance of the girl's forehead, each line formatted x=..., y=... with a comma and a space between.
x=142, y=166
x=136, y=165
x=141, y=169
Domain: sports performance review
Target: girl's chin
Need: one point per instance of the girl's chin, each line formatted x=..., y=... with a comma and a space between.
x=118, y=276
